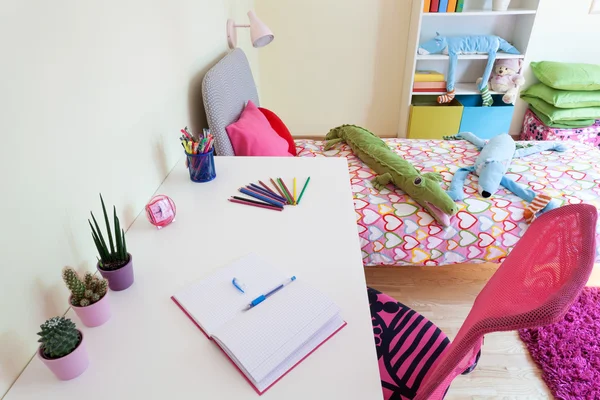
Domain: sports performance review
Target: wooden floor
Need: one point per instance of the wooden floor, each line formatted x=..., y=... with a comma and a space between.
x=445, y=296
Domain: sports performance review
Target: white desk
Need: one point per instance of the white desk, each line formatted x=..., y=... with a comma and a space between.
x=150, y=350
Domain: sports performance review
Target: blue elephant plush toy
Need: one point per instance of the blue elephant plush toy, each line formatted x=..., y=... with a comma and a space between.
x=456, y=45
x=491, y=166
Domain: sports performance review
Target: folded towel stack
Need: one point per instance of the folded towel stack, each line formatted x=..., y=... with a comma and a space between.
x=568, y=95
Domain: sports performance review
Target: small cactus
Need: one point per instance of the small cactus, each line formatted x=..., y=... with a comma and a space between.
x=84, y=292
x=59, y=336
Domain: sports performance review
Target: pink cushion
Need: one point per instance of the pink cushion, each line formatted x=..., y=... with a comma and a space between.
x=252, y=135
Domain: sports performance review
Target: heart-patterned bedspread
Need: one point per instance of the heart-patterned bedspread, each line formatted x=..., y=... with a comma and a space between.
x=394, y=230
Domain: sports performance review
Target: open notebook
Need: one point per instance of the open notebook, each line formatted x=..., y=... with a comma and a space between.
x=270, y=339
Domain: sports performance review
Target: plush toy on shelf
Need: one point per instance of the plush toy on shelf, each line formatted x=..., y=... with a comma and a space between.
x=506, y=79
x=456, y=45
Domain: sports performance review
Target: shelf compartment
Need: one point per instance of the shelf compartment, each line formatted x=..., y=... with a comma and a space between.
x=485, y=122
x=430, y=120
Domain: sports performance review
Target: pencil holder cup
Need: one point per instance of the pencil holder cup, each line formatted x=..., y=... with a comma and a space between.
x=202, y=166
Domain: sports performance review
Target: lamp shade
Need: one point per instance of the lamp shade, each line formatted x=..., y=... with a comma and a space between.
x=260, y=33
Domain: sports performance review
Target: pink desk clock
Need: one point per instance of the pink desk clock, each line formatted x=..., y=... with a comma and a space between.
x=160, y=211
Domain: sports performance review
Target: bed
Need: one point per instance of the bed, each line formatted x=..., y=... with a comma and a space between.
x=394, y=230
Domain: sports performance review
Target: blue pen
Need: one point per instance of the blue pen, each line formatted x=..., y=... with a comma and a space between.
x=263, y=297
x=257, y=188
x=261, y=197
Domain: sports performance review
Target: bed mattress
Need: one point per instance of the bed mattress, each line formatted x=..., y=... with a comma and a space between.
x=395, y=230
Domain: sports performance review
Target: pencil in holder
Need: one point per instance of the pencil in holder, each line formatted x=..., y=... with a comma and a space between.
x=202, y=166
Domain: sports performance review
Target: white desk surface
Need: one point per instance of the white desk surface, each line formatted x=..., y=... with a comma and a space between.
x=150, y=350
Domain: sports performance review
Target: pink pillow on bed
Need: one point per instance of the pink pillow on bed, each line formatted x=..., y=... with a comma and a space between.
x=252, y=135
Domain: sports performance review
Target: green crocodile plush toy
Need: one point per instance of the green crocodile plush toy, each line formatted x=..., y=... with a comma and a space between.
x=423, y=188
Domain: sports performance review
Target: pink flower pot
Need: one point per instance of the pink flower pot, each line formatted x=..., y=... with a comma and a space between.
x=95, y=314
x=70, y=366
x=119, y=279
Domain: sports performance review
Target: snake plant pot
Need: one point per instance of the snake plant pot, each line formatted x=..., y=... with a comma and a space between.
x=95, y=314
x=500, y=5
x=70, y=366
x=119, y=279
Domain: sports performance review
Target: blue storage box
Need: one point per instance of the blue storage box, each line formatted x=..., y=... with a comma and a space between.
x=485, y=122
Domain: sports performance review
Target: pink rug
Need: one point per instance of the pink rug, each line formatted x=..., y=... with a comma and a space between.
x=568, y=352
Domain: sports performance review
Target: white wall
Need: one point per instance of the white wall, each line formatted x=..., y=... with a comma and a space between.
x=334, y=62
x=92, y=95
x=562, y=32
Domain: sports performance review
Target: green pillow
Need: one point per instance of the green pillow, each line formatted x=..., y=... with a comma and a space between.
x=567, y=76
x=577, y=123
x=562, y=98
x=561, y=115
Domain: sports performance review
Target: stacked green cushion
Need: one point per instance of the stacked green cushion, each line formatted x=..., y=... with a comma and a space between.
x=574, y=117
x=562, y=98
x=567, y=76
x=569, y=95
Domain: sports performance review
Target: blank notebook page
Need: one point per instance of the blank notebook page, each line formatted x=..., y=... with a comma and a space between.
x=214, y=301
x=263, y=337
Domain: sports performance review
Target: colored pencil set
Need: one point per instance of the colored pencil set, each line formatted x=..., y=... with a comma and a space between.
x=263, y=196
x=200, y=157
x=193, y=145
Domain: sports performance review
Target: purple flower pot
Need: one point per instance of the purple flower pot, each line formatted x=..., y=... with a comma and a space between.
x=70, y=366
x=95, y=314
x=119, y=279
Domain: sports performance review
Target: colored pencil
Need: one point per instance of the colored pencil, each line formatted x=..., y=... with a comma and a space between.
x=264, y=185
x=295, y=198
x=257, y=188
x=277, y=187
x=266, y=194
x=254, y=201
x=303, y=189
x=261, y=197
x=286, y=190
x=256, y=205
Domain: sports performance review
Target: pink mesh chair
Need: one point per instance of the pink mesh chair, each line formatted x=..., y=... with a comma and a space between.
x=535, y=286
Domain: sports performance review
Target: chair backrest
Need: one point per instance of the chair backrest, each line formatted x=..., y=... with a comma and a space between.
x=226, y=88
x=535, y=286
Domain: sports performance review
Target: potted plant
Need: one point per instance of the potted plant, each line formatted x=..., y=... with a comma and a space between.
x=115, y=263
x=88, y=297
x=62, y=348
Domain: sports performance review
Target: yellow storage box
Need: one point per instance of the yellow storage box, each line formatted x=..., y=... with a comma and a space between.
x=430, y=120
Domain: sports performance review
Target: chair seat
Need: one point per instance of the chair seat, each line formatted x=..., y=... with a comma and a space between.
x=407, y=345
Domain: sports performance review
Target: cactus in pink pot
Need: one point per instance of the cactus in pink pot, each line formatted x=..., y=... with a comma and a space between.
x=86, y=291
x=62, y=349
x=88, y=297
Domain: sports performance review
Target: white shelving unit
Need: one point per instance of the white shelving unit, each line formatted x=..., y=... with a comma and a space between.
x=477, y=18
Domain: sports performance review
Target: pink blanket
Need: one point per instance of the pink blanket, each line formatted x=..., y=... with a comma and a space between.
x=394, y=230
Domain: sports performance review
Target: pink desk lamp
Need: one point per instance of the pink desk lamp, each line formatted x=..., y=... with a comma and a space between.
x=260, y=33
